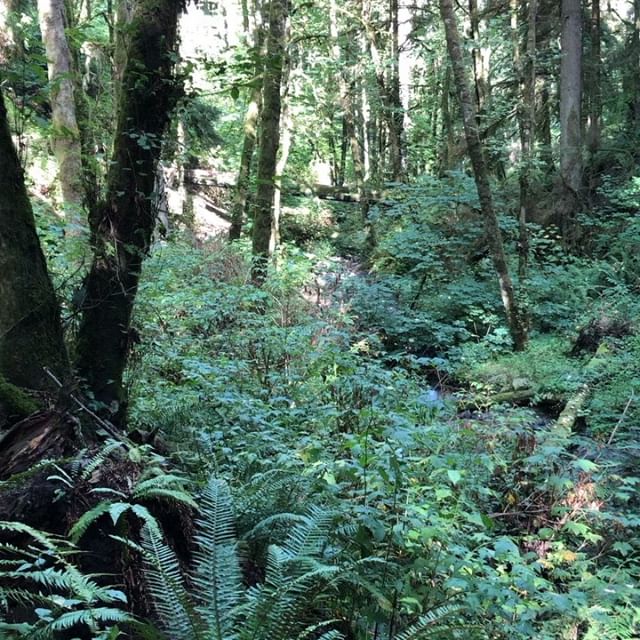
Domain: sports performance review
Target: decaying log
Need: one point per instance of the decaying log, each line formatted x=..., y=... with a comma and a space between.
x=41, y=436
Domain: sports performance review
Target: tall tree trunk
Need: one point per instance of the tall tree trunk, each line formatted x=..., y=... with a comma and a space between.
x=123, y=226
x=593, y=79
x=570, y=113
x=515, y=317
x=447, y=139
x=351, y=128
x=66, y=135
x=481, y=59
x=388, y=89
x=547, y=17
x=252, y=116
x=286, y=138
x=30, y=329
x=633, y=77
x=526, y=111
x=263, y=221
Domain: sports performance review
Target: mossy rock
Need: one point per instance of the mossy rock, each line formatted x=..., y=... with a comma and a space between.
x=14, y=402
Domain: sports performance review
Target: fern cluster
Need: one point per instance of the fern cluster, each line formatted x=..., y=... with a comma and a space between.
x=41, y=576
x=293, y=600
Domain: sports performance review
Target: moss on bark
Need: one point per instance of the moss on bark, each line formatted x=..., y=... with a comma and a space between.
x=14, y=402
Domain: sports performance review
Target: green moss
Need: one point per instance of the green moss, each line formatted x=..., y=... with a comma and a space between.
x=14, y=401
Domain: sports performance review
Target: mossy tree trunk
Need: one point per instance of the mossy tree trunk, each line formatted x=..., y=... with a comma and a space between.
x=252, y=116
x=30, y=329
x=263, y=222
x=515, y=317
x=122, y=227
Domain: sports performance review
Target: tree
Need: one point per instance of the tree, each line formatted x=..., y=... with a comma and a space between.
x=252, y=116
x=263, y=221
x=526, y=111
x=515, y=316
x=66, y=135
x=122, y=226
x=570, y=112
x=30, y=330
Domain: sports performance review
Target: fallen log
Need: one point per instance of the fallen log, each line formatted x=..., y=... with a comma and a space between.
x=519, y=397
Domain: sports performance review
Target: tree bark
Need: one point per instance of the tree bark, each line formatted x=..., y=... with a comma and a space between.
x=7, y=36
x=252, y=116
x=30, y=329
x=570, y=113
x=548, y=16
x=286, y=138
x=65, y=136
x=123, y=225
x=389, y=89
x=515, y=317
x=263, y=222
x=526, y=111
x=632, y=75
x=593, y=78
x=350, y=130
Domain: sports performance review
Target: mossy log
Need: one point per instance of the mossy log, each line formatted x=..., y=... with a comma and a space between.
x=515, y=396
x=568, y=416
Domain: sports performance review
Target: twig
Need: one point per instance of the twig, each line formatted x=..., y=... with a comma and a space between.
x=621, y=420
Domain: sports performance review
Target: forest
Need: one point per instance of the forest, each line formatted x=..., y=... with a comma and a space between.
x=319, y=319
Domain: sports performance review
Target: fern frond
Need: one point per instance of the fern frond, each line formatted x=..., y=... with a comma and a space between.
x=166, y=585
x=430, y=624
x=49, y=541
x=175, y=495
x=309, y=537
x=271, y=522
x=99, y=458
x=279, y=607
x=87, y=519
x=312, y=631
x=217, y=577
x=89, y=617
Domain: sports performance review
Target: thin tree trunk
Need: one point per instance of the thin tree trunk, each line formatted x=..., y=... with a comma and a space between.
x=389, y=90
x=263, y=220
x=526, y=111
x=515, y=317
x=633, y=76
x=447, y=140
x=547, y=16
x=349, y=114
x=66, y=135
x=286, y=138
x=123, y=227
x=30, y=329
x=593, y=78
x=570, y=113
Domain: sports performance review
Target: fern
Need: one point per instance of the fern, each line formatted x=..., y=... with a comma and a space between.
x=167, y=589
x=219, y=608
x=217, y=578
x=60, y=594
x=430, y=625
